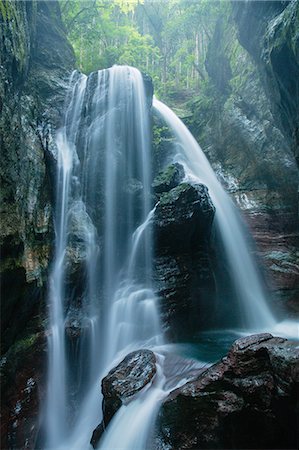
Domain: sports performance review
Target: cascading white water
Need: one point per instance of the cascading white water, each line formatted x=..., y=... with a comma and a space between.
x=245, y=278
x=131, y=426
x=131, y=304
x=103, y=214
x=56, y=411
x=104, y=206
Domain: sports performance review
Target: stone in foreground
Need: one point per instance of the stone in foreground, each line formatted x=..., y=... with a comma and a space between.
x=245, y=401
x=122, y=383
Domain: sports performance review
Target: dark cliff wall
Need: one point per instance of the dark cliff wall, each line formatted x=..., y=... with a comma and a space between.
x=274, y=45
x=251, y=151
x=35, y=64
x=269, y=32
x=36, y=61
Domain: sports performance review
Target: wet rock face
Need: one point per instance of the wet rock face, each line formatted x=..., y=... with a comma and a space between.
x=168, y=179
x=279, y=253
x=183, y=270
x=122, y=383
x=125, y=380
x=36, y=61
x=248, y=149
x=22, y=391
x=275, y=49
x=183, y=218
x=247, y=400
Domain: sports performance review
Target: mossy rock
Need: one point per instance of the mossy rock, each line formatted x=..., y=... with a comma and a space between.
x=22, y=354
x=169, y=178
x=183, y=218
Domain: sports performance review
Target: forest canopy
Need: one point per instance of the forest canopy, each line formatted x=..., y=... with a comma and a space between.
x=167, y=39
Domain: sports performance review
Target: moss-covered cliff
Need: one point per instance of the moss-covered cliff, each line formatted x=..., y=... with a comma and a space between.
x=35, y=62
x=275, y=49
x=235, y=121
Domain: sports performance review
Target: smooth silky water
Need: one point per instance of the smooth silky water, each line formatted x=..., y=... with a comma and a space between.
x=56, y=405
x=104, y=193
x=103, y=212
x=255, y=312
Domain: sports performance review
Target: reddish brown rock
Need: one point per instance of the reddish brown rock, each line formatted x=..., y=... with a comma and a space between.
x=279, y=253
x=247, y=400
x=23, y=388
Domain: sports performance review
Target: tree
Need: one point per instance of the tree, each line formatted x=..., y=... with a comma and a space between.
x=167, y=39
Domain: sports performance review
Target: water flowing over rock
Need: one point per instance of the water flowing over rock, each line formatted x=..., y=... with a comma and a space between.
x=135, y=260
x=247, y=294
x=250, y=150
x=36, y=61
x=182, y=226
x=150, y=378
x=122, y=383
x=247, y=400
x=100, y=290
x=128, y=378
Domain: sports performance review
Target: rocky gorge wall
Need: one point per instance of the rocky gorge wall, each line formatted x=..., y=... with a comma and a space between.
x=36, y=61
x=274, y=50
x=237, y=124
x=246, y=400
x=246, y=120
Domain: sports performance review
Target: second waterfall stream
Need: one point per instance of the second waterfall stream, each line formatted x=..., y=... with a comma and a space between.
x=101, y=289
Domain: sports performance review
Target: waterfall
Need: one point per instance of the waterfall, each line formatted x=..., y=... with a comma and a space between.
x=131, y=426
x=132, y=317
x=101, y=279
x=103, y=234
x=56, y=411
x=249, y=288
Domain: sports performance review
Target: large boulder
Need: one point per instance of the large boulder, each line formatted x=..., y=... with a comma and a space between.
x=125, y=380
x=183, y=218
x=168, y=179
x=184, y=278
x=247, y=400
x=122, y=383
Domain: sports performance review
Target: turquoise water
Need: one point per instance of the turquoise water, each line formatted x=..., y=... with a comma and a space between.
x=209, y=346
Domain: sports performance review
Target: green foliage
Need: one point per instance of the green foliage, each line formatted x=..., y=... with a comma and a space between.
x=166, y=177
x=103, y=33
x=7, y=10
x=205, y=109
x=160, y=133
x=172, y=196
x=12, y=23
x=167, y=39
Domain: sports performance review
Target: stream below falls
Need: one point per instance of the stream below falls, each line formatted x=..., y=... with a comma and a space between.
x=101, y=282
